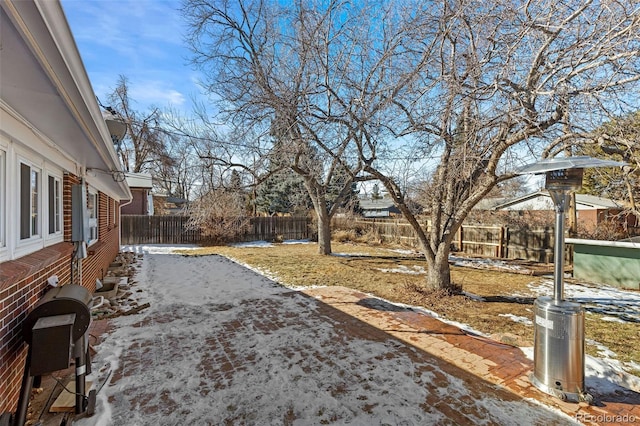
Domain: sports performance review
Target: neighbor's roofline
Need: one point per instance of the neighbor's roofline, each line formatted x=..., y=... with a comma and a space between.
x=545, y=193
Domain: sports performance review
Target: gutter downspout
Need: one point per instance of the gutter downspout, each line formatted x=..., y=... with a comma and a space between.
x=120, y=220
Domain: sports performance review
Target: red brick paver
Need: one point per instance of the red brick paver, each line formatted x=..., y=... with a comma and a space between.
x=250, y=337
x=493, y=361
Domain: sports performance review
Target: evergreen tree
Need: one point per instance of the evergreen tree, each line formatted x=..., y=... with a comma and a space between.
x=283, y=192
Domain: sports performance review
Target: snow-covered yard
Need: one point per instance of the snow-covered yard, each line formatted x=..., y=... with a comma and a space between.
x=223, y=344
x=615, y=304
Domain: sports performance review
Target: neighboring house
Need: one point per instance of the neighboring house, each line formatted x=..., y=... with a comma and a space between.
x=378, y=208
x=590, y=210
x=52, y=136
x=142, y=201
x=165, y=205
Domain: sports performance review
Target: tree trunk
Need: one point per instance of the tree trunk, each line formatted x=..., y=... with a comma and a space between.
x=324, y=231
x=439, y=272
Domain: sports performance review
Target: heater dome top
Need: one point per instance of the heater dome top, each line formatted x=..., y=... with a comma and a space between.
x=563, y=163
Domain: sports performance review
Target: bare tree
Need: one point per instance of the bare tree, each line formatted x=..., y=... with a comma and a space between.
x=471, y=88
x=499, y=85
x=220, y=215
x=617, y=139
x=274, y=69
x=177, y=169
x=144, y=142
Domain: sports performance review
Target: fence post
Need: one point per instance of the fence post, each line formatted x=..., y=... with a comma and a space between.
x=460, y=232
x=500, y=247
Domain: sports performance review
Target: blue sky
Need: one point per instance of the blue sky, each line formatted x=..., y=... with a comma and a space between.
x=140, y=39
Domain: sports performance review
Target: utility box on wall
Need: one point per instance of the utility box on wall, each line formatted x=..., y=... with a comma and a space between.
x=79, y=214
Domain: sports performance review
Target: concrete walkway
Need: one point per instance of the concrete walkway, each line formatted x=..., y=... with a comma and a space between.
x=231, y=347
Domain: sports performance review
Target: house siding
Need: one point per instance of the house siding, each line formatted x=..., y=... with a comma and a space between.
x=52, y=134
x=588, y=220
x=23, y=282
x=139, y=202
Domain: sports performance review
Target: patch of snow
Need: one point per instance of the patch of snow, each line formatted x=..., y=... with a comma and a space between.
x=483, y=263
x=613, y=319
x=518, y=319
x=157, y=248
x=402, y=269
x=296, y=242
x=253, y=244
x=604, y=374
x=404, y=251
x=604, y=351
x=350, y=254
x=609, y=301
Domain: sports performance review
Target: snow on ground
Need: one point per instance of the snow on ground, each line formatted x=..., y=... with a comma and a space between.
x=267, y=244
x=610, y=301
x=351, y=254
x=517, y=318
x=617, y=305
x=483, y=263
x=402, y=269
x=213, y=349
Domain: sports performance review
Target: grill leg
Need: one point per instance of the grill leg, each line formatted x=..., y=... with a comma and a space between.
x=25, y=393
x=81, y=372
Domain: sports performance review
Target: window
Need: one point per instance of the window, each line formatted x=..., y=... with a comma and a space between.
x=29, y=201
x=55, y=205
x=3, y=202
x=92, y=207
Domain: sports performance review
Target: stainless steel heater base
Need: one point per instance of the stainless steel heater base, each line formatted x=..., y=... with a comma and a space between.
x=558, y=359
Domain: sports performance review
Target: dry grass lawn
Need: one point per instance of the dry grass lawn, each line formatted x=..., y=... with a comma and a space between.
x=375, y=270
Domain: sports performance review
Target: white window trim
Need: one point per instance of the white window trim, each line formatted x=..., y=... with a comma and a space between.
x=15, y=247
x=57, y=236
x=3, y=203
x=35, y=235
x=94, y=221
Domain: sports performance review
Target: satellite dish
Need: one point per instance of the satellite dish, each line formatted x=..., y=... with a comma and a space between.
x=116, y=125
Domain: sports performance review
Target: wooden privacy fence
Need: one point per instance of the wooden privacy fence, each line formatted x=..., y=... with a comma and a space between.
x=506, y=243
x=495, y=241
x=277, y=228
x=141, y=229
x=138, y=229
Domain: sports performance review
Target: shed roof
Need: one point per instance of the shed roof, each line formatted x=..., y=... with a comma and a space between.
x=583, y=201
x=381, y=204
x=139, y=180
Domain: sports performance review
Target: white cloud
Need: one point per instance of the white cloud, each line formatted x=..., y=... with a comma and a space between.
x=139, y=39
x=156, y=93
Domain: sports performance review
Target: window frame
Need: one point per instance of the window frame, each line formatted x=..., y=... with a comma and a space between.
x=3, y=200
x=58, y=212
x=114, y=217
x=93, y=199
x=34, y=223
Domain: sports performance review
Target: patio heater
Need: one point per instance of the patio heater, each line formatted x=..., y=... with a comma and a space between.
x=558, y=357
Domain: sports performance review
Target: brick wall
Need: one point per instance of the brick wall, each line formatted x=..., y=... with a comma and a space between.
x=138, y=204
x=24, y=281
